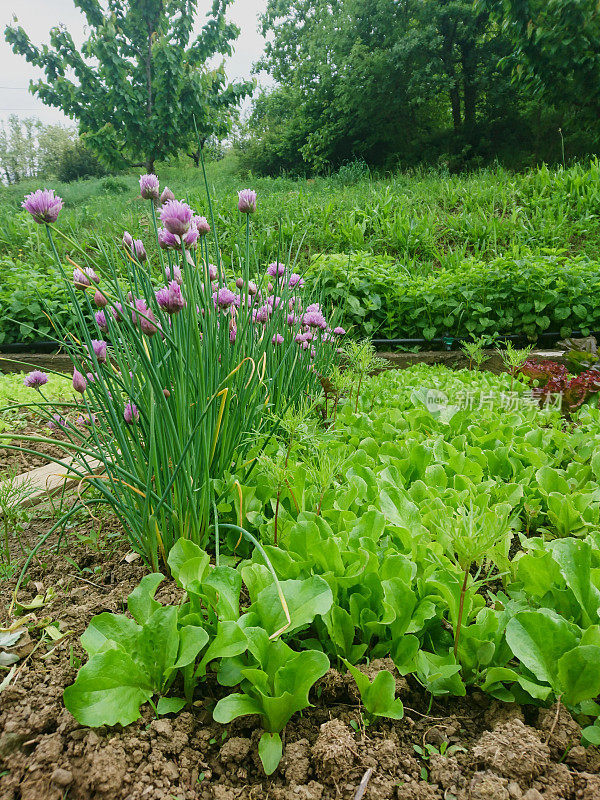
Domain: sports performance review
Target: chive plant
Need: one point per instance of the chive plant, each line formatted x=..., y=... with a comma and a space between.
x=172, y=380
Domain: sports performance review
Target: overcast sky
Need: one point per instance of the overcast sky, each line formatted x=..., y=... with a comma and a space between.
x=38, y=16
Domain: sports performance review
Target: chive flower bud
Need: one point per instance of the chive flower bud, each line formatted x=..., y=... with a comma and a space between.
x=79, y=382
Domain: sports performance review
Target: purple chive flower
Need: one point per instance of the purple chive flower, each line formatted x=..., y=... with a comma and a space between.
x=131, y=414
x=101, y=322
x=139, y=250
x=299, y=338
x=239, y=282
x=261, y=315
x=191, y=237
x=276, y=269
x=247, y=201
x=212, y=272
x=170, y=298
x=99, y=299
x=315, y=319
x=167, y=241
x=80, y=279
x=99, y=348
x=292, y=319
x=176, y=216
x=277, y=339
x=117, y=310
x=35, y=379
x=43, y=205
x=314, y=307
x=167, y=195
x=296, y=280
x=339, y=331
x=177, y=276
x=149, y=187
x=79, y=382
x=202, y=224
x=128, y=240
x=87, y=420
x=224, y=297
x=57, y=422
x=146, y=322
x=83, y=278
x=232, y=334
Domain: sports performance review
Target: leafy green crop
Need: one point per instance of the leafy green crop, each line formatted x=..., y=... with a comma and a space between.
x=525, y=294
x=275, y=684
x=440, y=543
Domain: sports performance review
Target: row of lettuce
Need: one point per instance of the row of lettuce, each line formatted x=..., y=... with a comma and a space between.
x=529, y=294
x=444, y=521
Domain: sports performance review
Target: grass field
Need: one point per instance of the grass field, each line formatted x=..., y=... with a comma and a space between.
x=425, y=220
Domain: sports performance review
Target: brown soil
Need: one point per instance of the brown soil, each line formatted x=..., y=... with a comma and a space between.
x=18, y=461
x=497, y=752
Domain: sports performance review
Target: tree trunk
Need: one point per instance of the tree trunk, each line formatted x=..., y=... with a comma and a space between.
x=455, y=103
x=448, y=58
x=469, y=69
x=149, y=165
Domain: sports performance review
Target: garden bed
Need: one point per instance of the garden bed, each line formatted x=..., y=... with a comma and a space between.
x=46, y=755
x=474, y=747
x=380, y=586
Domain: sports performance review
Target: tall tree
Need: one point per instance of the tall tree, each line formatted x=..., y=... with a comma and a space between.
x=376, y=79
x=140, y=78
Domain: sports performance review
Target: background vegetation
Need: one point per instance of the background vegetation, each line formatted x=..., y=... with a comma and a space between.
x=425, y=232
x=447, y=82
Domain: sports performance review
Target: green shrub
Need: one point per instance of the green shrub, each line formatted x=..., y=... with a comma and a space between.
x=527, y=295
x=76, y=162
x=114, y=185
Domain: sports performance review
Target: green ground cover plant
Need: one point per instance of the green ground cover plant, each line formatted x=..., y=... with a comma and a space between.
x=458, y=535
x=527, y=294
x=423, y=221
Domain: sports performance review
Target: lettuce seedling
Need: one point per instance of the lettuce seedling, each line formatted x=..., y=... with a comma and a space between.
x=378, y=696
x=275, y=685
x=132, y=660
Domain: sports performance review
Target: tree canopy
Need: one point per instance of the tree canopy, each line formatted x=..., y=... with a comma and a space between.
x=140, y=78
x=392, y=81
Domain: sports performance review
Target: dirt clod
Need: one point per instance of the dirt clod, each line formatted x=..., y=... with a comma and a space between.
x=334, y=751
x=235, y=750
x=62, y=777
x=488, y=786
x=296, y=761
x=513, y=750
x=445, y=771
x=560, y=732
x=556, y=783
